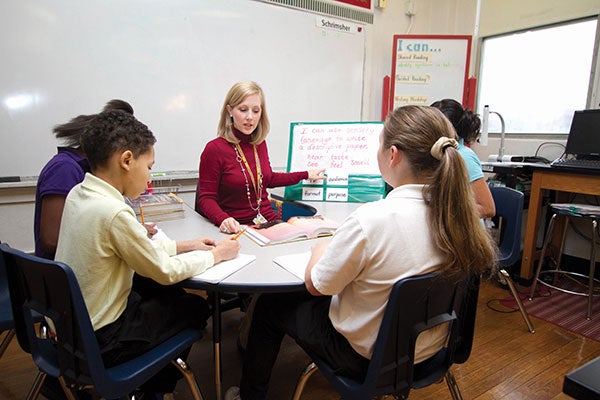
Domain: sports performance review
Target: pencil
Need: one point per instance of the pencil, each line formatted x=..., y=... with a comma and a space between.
x=237, y=235
x=142, y=213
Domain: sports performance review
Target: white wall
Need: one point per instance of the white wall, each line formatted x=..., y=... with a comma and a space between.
x=452, y=17
x=458, y=17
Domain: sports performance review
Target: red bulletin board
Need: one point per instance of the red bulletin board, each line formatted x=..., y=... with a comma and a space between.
x=359, y=3
x=427, y=68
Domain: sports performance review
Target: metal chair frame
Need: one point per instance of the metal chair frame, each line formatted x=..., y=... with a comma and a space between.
x=568, y=215
x=509, y=206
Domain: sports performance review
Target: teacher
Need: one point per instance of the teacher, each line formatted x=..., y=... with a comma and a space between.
x=235, y=171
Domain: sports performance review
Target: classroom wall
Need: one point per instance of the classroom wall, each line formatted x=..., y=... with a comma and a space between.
x=452, y=17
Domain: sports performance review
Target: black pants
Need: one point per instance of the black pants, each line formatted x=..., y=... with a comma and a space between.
x=153, y=314
x=305, y=318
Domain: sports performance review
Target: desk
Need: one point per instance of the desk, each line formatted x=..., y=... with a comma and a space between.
x=584, y=382
x=562, y=180
x=261, y=276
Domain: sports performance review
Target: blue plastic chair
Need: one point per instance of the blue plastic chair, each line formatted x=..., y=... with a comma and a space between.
x=291, y=208
x=51, y=289
x=509, y=206
x=6, y=319
x=416, y=304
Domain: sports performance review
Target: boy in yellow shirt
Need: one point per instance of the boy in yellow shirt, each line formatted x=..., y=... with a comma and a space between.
x=102, y=241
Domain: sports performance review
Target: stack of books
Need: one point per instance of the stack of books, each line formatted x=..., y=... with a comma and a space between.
x=157, y=207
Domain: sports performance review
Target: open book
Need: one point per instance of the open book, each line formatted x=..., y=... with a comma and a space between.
x=222, y=270
x=296, y=228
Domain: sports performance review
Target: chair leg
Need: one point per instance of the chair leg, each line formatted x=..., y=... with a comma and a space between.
x=452, y=385
x=37, y=386
x=592, y=271
x=517, y=298
x=541, y=260
x=6, y=341
x=66, y=389
x=308, y=371
x=189, y=377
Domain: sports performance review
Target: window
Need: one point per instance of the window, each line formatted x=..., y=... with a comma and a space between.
x=536, y=79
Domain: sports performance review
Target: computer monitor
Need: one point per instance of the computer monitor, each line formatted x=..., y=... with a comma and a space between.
x=584, y=137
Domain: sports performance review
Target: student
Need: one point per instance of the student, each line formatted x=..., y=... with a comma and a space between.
x=102, y=241
x=467, y=125
x=235, y=171
x=66, y=169
x=418, y=228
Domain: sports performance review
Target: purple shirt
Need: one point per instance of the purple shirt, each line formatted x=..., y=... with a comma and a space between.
x=65, y=170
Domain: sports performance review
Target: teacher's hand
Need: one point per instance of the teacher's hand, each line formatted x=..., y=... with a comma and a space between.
x=229, y=225
x=316, y=175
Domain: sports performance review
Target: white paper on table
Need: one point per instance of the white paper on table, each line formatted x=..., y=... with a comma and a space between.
x=294, y=263
x=222, y=270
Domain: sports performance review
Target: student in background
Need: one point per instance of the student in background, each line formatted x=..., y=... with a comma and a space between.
x=467, y=125
x=235, y=171
x=66, y=169
x=103, y=242
x=418, y=228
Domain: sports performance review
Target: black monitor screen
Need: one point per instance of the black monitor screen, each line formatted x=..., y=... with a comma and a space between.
x=584, y=137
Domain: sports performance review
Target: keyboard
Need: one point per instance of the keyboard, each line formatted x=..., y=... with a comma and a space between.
x=575, y=163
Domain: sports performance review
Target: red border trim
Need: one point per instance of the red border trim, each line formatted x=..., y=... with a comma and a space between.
x=358, y=3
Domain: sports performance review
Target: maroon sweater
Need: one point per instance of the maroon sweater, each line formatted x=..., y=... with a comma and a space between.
x=222, y=188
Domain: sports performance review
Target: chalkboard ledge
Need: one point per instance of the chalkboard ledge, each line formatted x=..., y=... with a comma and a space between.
x=168, y=176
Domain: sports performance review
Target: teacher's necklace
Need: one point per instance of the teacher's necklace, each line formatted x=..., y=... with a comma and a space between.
x=256, y=183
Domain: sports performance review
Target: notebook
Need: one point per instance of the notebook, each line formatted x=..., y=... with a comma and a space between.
x=583, y=143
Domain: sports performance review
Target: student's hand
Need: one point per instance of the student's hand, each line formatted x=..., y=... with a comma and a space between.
x=151, y=228
x=316, y=175
x=195, y=244
x=229, y=225
x=226, y=250
x=206, y=244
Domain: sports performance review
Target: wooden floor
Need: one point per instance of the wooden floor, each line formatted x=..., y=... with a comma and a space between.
x=507, y=362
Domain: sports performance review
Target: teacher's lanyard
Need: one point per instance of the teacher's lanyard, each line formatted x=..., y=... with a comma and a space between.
x=256, y=183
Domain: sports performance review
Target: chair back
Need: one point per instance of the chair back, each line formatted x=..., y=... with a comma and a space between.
x=50, y=288
x=416, y=304
x=509, y=206
x=291, y=208
x=6, y=317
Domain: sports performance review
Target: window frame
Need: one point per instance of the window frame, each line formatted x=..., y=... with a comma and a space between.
x=592, y=97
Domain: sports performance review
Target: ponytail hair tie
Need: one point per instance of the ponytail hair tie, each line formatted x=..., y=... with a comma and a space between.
x=437, y=150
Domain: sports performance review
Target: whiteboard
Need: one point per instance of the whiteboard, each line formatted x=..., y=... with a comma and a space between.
x=348, y=153
x=427, y=68
x=173, y=61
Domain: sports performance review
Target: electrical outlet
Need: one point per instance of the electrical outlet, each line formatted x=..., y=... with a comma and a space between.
x=410, y=8
x=381, y=3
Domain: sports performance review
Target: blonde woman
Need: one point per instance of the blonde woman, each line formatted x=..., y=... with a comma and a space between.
x=235, y=171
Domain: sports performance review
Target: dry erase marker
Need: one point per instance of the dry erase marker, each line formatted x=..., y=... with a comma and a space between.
x=239, y=234
x=142, y=214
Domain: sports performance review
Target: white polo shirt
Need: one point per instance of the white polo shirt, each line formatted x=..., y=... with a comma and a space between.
x=377, y=245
